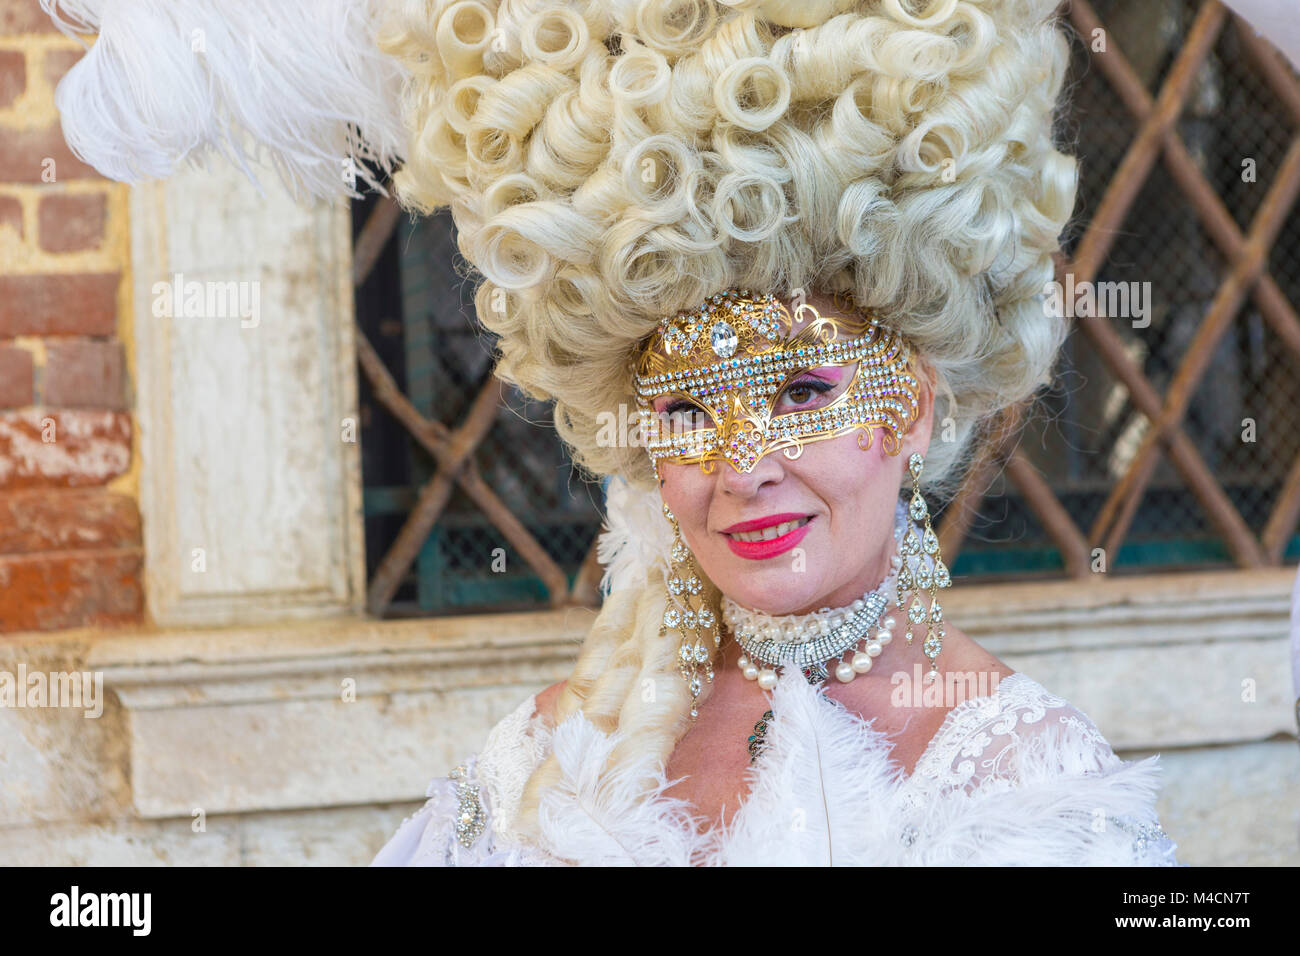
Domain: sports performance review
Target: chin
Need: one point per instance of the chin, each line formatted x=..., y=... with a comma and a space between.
x=770, y=593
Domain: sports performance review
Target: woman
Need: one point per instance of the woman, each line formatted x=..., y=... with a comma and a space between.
x=809, y=240
x=799, y=237
x=847, y=771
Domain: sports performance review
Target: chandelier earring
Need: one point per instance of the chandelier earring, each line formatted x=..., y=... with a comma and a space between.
x=689, y=614
x=923, y=570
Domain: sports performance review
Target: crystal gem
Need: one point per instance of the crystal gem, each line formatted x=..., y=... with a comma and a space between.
x=724, y=340
x=916, y=613
x=815, y=673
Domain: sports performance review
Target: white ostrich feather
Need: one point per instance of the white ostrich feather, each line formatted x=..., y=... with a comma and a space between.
x=636, y=539
x=172, y=81
x=1060, y=812
x=599, y=816
x=823, y=789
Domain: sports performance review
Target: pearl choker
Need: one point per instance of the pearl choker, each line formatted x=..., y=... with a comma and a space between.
x=812, y=641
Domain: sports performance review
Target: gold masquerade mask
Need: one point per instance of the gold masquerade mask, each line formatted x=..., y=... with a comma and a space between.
x=728, y=363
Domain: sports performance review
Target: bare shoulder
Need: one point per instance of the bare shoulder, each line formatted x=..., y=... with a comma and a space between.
x=964, y=653
x=545, y=701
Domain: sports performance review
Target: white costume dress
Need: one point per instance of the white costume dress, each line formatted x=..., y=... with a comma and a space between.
x=1015, y=777
x=1018, y=777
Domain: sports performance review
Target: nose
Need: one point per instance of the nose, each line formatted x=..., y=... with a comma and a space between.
x=746, y=484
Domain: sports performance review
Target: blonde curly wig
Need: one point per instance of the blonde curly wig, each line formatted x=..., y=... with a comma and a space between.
x=608, y=163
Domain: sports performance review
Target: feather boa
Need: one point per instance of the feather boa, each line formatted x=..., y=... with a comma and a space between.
x=824, y=791
x=174, y=80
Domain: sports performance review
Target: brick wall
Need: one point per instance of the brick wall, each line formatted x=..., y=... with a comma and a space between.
x=70, y=546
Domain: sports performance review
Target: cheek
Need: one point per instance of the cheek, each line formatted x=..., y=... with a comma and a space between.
x=851, y=481
x=685, y=489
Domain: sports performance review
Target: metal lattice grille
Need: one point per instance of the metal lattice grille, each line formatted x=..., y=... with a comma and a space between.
x=470, y=500
x=1169, y=441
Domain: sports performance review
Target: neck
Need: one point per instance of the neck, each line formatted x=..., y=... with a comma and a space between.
x=870, y=579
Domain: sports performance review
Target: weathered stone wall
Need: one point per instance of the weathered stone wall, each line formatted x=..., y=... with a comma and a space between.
x=309, y=742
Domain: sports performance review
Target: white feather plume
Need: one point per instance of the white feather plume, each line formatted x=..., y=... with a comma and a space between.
x=1060, y=812
x=637, y=537
x=620, y=817
x=172, y=81
x=823, y=791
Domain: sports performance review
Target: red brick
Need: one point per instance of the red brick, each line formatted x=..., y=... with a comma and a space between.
x=11, y=214
x=78, y=304
x=63, y=520
x=72, y=223
x=87, y=447
x=23, y=155
x=85, y=374
x=49, y=592
x=24, y=16
x=13, y=76
x=59, y=62
x=16, y=374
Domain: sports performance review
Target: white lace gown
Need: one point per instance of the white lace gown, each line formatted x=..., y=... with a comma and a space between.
x=1016, y=777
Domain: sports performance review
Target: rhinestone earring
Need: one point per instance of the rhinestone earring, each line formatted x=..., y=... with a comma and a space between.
x=921, y=576
x=689, y=614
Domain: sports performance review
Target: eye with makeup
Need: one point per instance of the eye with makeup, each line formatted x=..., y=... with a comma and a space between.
x=801, y=394
x=683, y=416
x=806, y=385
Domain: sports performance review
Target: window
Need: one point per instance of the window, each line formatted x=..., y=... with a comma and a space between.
x=1208, y=339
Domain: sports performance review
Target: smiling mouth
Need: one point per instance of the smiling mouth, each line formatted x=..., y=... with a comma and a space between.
x=771, y=531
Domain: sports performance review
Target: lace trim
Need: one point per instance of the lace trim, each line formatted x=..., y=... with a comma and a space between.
x=975, y=746
x=513, y=750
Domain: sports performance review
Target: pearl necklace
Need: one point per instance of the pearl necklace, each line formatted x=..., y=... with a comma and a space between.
x=812, y=641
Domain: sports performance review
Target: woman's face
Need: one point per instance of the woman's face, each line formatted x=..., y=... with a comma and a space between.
x=843, y=495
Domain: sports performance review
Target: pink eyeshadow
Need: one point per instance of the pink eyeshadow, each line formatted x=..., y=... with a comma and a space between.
x=832, y=373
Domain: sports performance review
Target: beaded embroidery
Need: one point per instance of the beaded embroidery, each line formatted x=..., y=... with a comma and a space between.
x=469, y=813
x=757, y=737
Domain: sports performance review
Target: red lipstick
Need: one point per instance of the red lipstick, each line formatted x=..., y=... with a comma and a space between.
x=761, y=550
x=758, y=524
